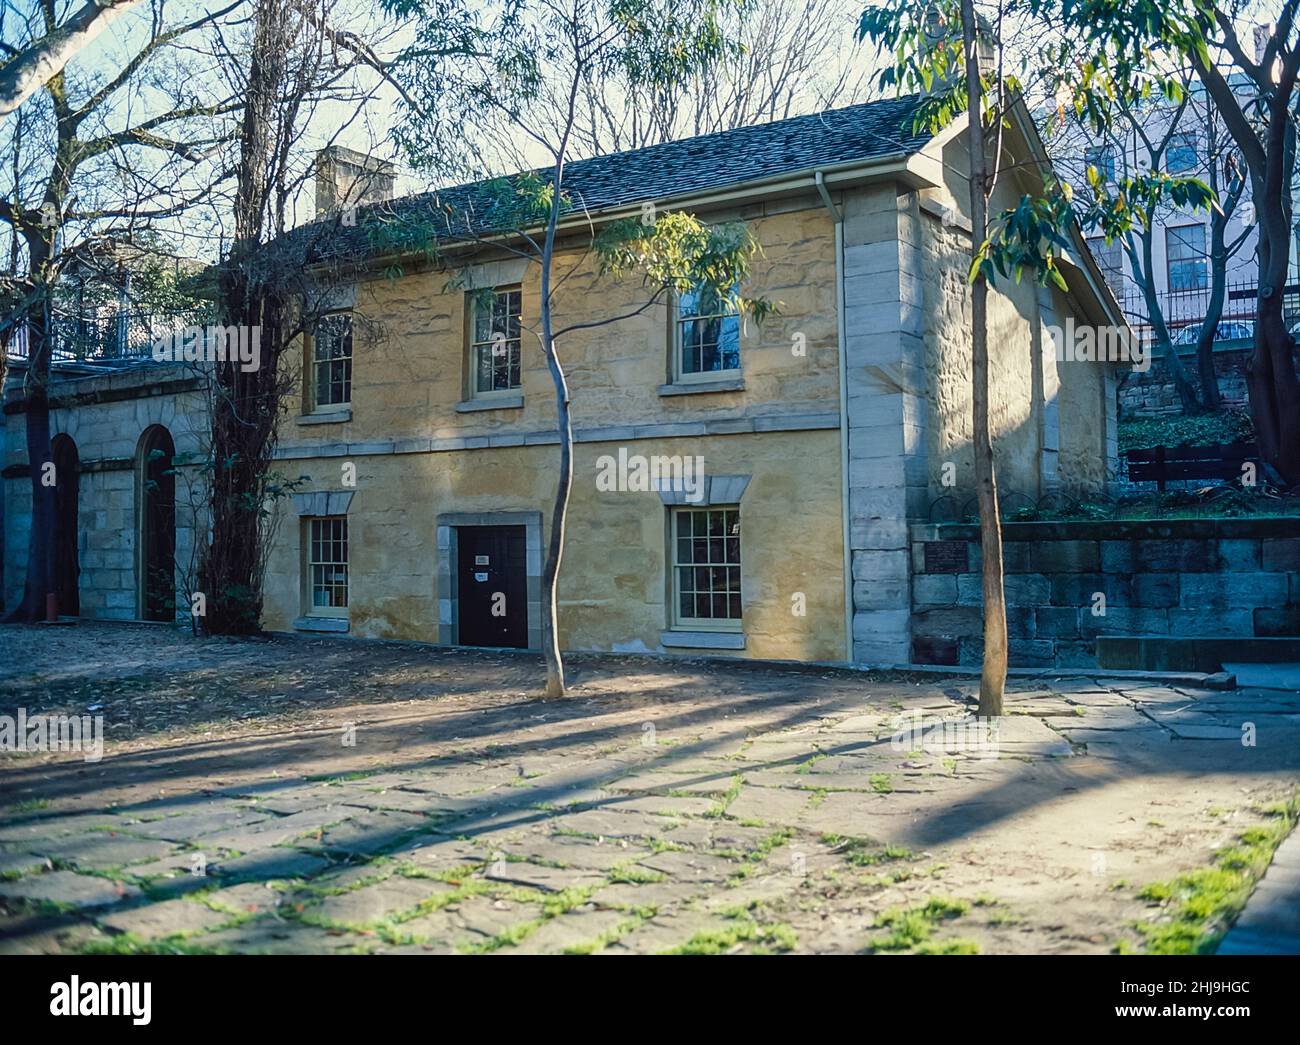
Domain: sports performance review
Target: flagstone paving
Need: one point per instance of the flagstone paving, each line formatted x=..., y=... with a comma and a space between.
x=292, y=796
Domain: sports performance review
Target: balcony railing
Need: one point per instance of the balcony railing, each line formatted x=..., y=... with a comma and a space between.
x=1184, y=312
x=123, y=338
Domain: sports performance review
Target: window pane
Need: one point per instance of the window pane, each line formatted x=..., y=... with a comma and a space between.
x=708, y=333
x=332, y=355
x=328, y=563
x=1182, y=154
x=1185, y=250
x=495, y=350
x=1101, y=157
x=707, y=566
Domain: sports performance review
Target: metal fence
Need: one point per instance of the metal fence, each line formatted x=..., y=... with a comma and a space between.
x=1184, y=312
x=124, y=337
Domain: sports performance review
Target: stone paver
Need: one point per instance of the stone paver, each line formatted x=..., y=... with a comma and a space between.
x=773, y=810
x=373, y=903
x=164, y=919
x=68, y=888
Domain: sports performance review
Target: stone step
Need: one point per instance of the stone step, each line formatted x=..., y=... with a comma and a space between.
x=1206, y=653
x=1266, y=676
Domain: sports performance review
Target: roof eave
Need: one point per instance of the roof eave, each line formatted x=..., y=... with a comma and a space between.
x=911, y=168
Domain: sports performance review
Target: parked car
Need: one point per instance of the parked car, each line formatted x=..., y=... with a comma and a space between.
x=1227, y=330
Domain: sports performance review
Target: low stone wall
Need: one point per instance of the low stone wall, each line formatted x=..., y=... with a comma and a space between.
x=1069, y=582
x=1152, y=394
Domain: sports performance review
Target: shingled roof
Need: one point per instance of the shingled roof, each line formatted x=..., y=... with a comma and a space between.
x=711, y=162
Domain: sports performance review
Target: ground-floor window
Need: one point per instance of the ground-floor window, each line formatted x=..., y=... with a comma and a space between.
x=327, y=566
x=706, y=568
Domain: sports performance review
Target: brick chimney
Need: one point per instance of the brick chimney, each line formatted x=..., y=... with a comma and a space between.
x=347, y=178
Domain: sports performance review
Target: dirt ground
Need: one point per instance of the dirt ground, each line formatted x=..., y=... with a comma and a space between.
x=332, y=795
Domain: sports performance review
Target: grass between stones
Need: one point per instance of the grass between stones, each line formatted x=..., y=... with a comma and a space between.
x=863, y=852
x=767, y=939
x=911, y=928
x=1200, y=906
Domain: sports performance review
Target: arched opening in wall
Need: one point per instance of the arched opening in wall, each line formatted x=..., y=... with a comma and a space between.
x=156, y=498
x=67, y=568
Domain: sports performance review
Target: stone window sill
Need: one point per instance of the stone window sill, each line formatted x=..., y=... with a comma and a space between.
x=686, y=388
x=322, y=624
x=326, y=417
x=703, y=639
x=469, y=406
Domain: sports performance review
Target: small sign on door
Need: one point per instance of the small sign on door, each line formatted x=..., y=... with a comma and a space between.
x=480, y=577
x=481, y=560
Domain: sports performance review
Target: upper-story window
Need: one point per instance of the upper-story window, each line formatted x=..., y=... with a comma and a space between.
x=1185, y=254
x=494, y=341
x=331, y=357
x=707, y=334
x=1109, y=259
x=1103, y=158
x=1182, y=156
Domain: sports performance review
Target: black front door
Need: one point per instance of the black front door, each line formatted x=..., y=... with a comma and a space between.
x=492, y=586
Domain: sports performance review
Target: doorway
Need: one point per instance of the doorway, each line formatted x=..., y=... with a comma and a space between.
x=67, y=567
x=492, y=586
x=157, y=501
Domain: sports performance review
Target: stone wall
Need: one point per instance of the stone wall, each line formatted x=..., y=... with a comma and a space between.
x=1069, y=582
x=614, y=584
x=1152, y=394
x=105, y=415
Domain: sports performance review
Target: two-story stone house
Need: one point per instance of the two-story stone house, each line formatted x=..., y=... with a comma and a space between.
x=427, y=422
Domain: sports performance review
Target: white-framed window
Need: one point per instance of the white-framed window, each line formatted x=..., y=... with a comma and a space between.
x=1103, y=158
x=706, y=568
x=1110, y=259
x=331, y=359
x=1185, y=256
x=706, y=335
x=1182, y=155
x=327, y=566
x=494, y=348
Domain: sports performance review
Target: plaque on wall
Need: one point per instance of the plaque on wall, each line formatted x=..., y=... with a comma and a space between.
x=946, y=557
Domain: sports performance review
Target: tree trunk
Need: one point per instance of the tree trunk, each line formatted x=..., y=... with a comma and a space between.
x=1269, y=147
x=40, y=349
x=1210, y=397
x=1270, y=374
x=555, y=686
x=993, y=676
x=40, y=545
x=1173, y=362
x=245, y=404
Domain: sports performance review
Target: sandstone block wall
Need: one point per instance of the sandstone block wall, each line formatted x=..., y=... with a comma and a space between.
x=1067, y=583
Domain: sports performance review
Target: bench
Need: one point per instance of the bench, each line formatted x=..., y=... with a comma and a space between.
x=1163, y=464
